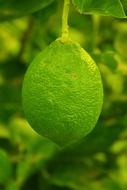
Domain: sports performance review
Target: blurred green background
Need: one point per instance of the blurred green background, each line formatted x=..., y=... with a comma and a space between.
x=28, y=161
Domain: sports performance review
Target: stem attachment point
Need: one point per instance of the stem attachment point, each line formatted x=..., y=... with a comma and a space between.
x=65, y=27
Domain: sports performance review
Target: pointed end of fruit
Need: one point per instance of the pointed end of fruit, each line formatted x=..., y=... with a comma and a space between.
x=64, y=144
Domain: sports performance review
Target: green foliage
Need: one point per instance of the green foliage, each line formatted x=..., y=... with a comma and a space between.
x=13, y=8
x=5, y=167
x=31, y=162
x=105, y=7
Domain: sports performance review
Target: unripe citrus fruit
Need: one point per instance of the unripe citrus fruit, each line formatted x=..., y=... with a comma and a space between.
x=62, y=93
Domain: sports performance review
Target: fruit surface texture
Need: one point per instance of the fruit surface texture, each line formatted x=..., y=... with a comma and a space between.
x=62, y=93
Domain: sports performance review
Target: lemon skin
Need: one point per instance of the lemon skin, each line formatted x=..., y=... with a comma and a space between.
x=62, y=93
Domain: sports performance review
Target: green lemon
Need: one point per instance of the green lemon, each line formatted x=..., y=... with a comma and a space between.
x=62, y=93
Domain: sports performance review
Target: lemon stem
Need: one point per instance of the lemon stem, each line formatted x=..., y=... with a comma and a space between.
x=65, y=27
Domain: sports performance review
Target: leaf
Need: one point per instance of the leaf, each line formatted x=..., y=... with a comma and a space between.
x=5, y=167
x=121, y=43
x=11, y=186
x=13, y=8
x=10, y=101
x=39, y=152
x=124, y=3
x=109, y=59
x=106, y=7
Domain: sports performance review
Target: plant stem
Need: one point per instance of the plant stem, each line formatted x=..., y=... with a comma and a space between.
x=96, y=25
x=65, y=31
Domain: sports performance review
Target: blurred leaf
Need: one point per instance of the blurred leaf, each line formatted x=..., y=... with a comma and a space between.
x=45, y=13
x=13, y=8
x=4, y=133
x=39, y=152
x=12, y=70
x=10, y=100
x=5, y=167
x=111, y=79
x=121, y=43
x=124, y=2
x=11, y=186
x=105, y=7
x=110, y=60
